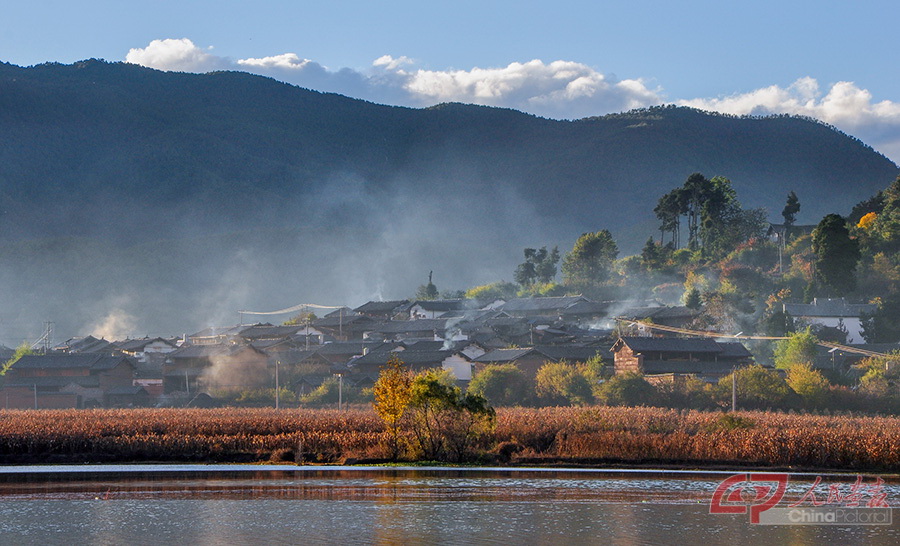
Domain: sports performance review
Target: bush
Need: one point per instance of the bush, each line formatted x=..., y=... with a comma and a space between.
x=629, y=389
x=503, y=385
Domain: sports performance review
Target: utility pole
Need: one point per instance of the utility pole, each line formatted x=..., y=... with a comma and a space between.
x=277, y=386
x=734, y=389
x=340, y=377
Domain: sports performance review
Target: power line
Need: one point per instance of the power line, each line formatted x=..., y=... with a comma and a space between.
x=700, y=333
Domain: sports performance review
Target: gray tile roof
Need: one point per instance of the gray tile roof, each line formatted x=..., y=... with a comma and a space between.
x=670, y=345
x=91, y=361
x=829, y=308
x=548, y=304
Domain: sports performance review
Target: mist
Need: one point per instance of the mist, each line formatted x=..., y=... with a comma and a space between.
x=346, y=243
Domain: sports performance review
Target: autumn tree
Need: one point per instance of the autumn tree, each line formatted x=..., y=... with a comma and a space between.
x=393, y=393
x=809, y=383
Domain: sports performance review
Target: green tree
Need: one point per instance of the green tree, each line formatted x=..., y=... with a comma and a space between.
x=668, y=210
x=427, y=291
x=800, y=348
x=590, y=261
x=837, y=255
x=502, y=385
x=22, y=350
x=561, y=383
x=757, y=388
x=791, y=208
x=810, y=384
x=692, y=299
x=883, y=325
x=445, y=422
x=539, y=266
x=629, y=389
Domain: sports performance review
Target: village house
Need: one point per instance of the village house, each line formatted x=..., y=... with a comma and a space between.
x=431, y=309
x=198, y=368
x=832, y=313
x=456, y=362
x=60, y=380
x=661, y=359
x=384, y=310
x=543, y=306
x=530, y=359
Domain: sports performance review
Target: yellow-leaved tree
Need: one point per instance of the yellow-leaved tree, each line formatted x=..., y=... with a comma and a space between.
x=393, y=393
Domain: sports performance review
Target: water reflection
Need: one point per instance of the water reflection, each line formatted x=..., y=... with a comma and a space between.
x=285, y=505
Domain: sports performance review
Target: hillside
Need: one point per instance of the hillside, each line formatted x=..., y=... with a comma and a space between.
x=143, y=168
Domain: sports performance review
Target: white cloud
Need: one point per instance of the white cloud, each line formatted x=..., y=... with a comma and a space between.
x=559, y=89
x=178, y=55
x=286, y=61
x=844, y=105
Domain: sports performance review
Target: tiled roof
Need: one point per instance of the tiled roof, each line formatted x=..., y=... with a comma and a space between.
x=90, y=361
x=670, y=345
x=541, y=304
x=829, y=308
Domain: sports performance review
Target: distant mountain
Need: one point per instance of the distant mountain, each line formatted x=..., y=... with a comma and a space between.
x=132, y=158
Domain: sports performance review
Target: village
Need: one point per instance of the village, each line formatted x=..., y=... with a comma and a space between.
x=264, y=364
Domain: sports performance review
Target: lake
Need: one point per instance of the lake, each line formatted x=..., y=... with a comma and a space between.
x=238, y=504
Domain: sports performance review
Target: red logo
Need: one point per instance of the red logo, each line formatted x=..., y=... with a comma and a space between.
x=756, y=491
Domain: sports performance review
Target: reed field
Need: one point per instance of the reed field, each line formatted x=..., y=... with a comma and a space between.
x=589, y=435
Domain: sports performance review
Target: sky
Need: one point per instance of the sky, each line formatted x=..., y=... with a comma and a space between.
x=834, y=61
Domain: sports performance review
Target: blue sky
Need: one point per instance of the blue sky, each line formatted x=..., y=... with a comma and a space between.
x=836, y=61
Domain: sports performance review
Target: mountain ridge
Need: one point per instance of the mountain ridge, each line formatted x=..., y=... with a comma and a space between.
x=383, y=194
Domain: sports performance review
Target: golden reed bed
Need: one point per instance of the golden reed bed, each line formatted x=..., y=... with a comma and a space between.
x=590, y=435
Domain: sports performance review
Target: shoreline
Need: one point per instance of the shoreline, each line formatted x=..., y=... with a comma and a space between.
x=632, y=471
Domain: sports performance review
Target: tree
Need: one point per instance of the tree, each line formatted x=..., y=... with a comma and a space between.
x=393, y=393
x=810, y=384
x=791, y=208
x=501, y=290
x=539, y=266
x=502, y=385
x=561, y=383
x=629, y=389
x=836, y=255
x=668, y=210
x=692, y=299
x=883, y=325
x=800, y=348
x=445, y=422
x=427, y=291
x=757, y=387
x=22, y=350
x=589, y=263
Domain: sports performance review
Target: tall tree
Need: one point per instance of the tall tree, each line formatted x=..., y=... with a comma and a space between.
x=427, y=291
x=669, y=210
x=539, y=266
x=791, y=208
x=588, y=264
x=836, y=255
